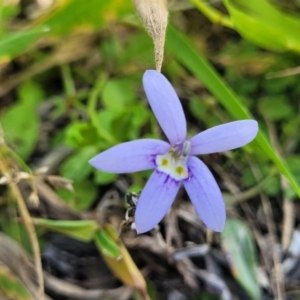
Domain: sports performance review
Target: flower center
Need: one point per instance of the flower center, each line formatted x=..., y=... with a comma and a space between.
x=173, y=162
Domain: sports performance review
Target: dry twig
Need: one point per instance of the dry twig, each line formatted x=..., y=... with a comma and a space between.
x=5, y=169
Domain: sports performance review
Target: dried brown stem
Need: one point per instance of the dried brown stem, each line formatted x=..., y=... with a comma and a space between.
x=278, y=272
x=70, y=290
x=5, y=170
x=288, y=205
x=154, y=14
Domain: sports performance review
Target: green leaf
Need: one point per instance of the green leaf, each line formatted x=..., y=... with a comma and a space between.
x=122, y=126
x=132, y=119
x=103, y=123
x=117, y=94
x=106, y=244
x=198, y=108
x=262, y=23
x=185, y=52
x=8, y=10
x=67, y=16
x=271, y=187
x=80, y=134
x=238, y=244
x=211, y=13
x=70, y=15
x=119, y=260
x=76, y=167
x=275, y=107
x=11, y=286
x=293, y=162
x=21, y=131
x=104, y=178
x=82, y=230
x=84, y=194
x=138, y=51
x=13, y=44
x=140, y=115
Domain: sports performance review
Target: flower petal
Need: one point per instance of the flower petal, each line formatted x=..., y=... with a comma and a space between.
x=165, y=105
x=224, y=137
x=205, y=195
x=155, y=200
x=130, y=157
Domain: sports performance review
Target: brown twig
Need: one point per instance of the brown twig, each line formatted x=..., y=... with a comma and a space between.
x=70, y=290
x=5, y=170
x=284, y=73
x=288, y=205
x=278, y=272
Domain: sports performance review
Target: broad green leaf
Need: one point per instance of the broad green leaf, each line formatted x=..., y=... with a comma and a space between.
x=238, y=244
x=262, y=23
x=121, y=126
x=185, y=52
x=132, y=119
x=80, y=134
x=123, y=266
x=8, y=10
x=15, y=43
x=117, y=94
x=104, y=178
x=103, y=123
x=106, y=244
x=76, y=167
x=82, y=197
x=276, y=107
x=83, y=230
x=85, y=193
x=11, y=286
x=140, y=115
x=20, y=121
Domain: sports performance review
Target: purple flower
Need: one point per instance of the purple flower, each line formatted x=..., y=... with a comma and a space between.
x=175, y=162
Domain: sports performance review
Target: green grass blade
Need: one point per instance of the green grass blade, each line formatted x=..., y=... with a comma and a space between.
x=15, y=43
x=265, y=24
x=212, y=14
x=187, y=55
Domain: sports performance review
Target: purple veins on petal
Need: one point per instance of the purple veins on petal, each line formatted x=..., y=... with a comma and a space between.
x=165, y=105
x=130, y=157
x=205, y=195
x=224, y=137
x=155, y=200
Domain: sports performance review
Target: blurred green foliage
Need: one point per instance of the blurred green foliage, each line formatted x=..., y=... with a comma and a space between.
x=21, y=130
x=11, y=286
x=264, y=24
